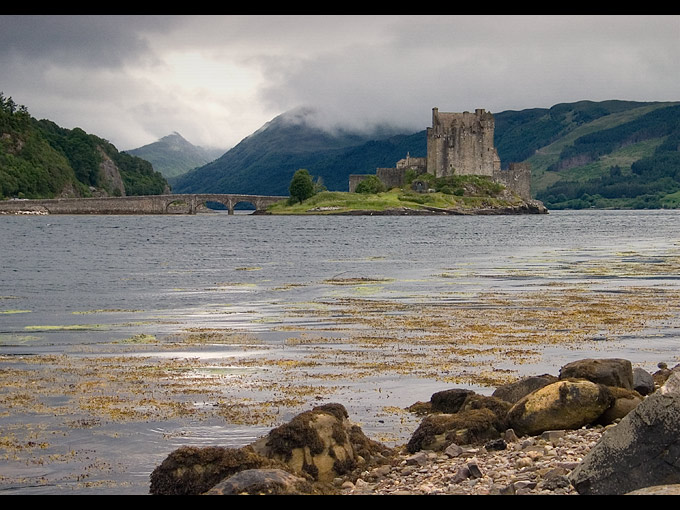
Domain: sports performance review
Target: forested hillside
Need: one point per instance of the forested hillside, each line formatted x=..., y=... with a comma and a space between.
x=264, y=162
x=635, y=163
x=39, y=159
x=583, y=154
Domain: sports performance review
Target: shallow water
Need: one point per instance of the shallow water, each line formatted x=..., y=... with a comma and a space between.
x=240, y=322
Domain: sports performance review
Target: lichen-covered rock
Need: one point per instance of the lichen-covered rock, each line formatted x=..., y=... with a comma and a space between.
x=191, y=470
x=610, y=372
x=642, y=450
x=560, y=405
x=322, y=443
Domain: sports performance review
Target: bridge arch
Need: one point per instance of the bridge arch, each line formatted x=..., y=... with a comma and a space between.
x=259, y=202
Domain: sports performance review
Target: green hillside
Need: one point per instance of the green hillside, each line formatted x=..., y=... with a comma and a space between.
x=626, y=158
x=264, y=162
x=39, y=159
x=583, y=154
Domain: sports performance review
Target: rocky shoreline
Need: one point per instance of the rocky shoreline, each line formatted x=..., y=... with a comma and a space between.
x=531, y=465
x=530, y=207
x=600, y=427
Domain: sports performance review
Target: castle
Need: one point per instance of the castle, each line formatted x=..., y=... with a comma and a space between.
x=458, y=144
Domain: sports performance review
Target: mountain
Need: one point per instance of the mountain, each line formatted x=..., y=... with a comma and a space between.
x=264, y=162
x=583, y=154
x=39, y=159
x=173, y=155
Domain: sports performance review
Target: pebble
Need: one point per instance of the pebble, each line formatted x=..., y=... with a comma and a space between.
x=530, y=465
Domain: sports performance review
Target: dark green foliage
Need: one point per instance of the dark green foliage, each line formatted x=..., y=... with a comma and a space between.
x=301, y=186
x=656, y=124
x=649, y=179
x=264, y=163
x=459, y=185
x=39, y=159
x=138, y=175
x=519, y=134
x=370, y=185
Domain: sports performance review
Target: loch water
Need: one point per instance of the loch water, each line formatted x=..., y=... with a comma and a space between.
x=74, y=283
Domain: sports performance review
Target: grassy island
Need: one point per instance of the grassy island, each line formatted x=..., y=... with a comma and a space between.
x=454, y=195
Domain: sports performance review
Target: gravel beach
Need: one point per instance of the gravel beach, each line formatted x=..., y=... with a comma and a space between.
x=529, y=465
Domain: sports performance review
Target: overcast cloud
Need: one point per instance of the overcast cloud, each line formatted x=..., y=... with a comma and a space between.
x=217, y=79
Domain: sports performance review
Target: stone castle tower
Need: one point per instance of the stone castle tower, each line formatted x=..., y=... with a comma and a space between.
x=458, y=144
x=462, y=144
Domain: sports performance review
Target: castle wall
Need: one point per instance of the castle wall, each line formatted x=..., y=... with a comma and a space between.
x=516, y=178
x=462, y=144
x=392, y=177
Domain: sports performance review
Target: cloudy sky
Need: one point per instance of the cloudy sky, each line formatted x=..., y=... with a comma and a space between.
x=216, y=79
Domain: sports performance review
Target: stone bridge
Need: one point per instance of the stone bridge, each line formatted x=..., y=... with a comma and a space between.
x=148, y=204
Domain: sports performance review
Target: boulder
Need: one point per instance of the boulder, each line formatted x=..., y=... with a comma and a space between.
x=459, y=416
x=449, y=401
x=624, y=402
x=513, y=392
x=560, y=405
x=661, y=376
x=319, y=443
x=262, y=482
x=610, y=372
x=191, y=470
x=643, y=450
x=657, y=490
x=438, y=431
x=643, y=381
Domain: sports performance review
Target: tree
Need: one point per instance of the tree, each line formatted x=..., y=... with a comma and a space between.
x=301, y=186
x=371, y=184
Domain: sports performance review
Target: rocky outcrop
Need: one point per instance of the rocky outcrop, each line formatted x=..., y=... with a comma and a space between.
x=313, y=448
x=587, y=392
x=192, y=470
x=459, y=417
x=110, y=175
x=643, y=450
x=561, y=405
x=316, y=442
x=320, y=449
x=610, y=372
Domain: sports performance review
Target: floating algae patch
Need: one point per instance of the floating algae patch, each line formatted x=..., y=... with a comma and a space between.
x=212, y=336
x=357, y=281
x=70, y=327
x=105, y=310
x=9, y=339
x=139, y=339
